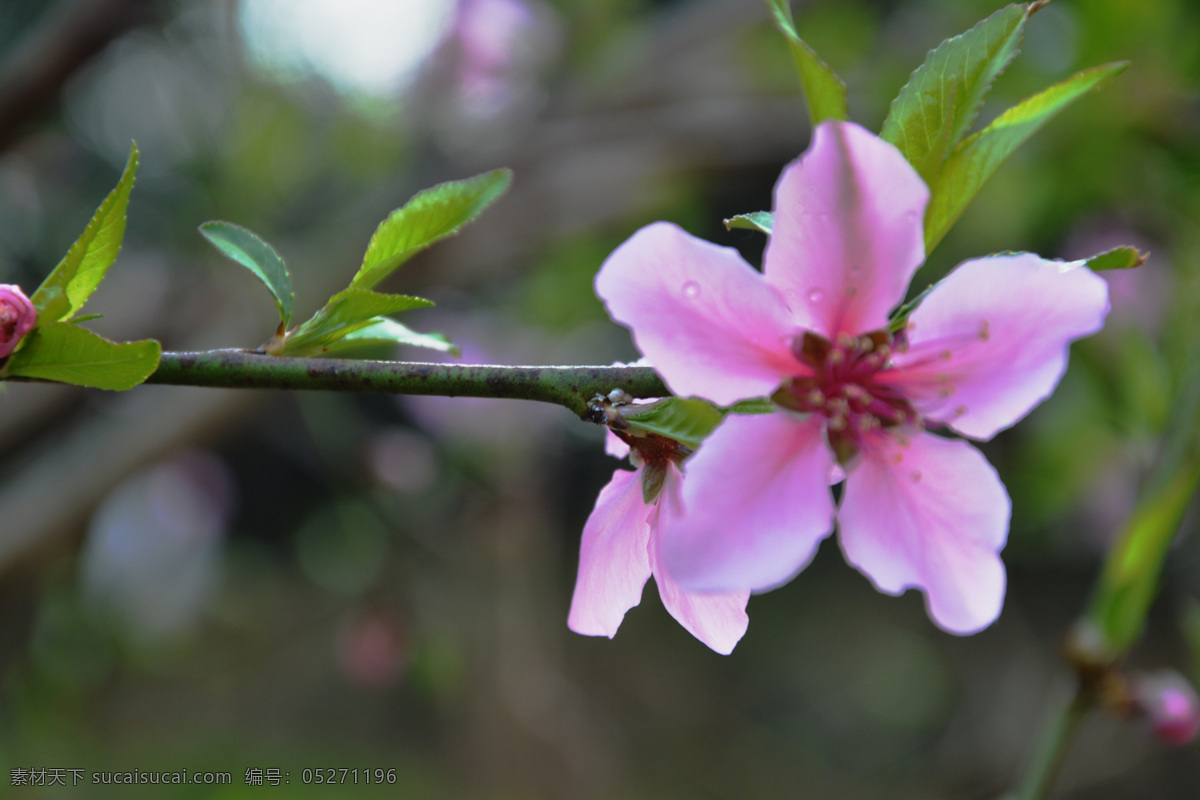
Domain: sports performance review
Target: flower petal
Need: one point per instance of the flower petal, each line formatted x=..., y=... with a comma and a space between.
x=848, y=231
x=756, y=504
x=613, y=445
x=708, y=322
x=717, y=619
x=991, y=340
x=613, y=560
x=931, y=513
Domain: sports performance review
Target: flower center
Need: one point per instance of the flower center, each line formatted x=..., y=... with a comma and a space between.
x=8, y=321
x=843, y=387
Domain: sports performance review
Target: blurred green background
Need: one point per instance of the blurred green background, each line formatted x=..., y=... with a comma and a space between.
x=218, y=580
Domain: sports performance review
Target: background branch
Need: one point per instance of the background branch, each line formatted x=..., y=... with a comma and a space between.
x=32, y=77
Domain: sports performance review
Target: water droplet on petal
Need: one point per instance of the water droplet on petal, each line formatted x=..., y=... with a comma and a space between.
x=691, y=289
x=816, y=296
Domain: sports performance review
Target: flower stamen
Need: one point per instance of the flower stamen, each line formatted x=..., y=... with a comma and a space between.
x=843, y=387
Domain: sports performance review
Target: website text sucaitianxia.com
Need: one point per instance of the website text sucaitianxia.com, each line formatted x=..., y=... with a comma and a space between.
x=75, y=776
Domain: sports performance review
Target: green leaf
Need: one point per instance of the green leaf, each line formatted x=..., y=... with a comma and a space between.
x=348, y=311
x=898, y=321
x=71, y=283
x=1117, y=258
x=382, y=331
x=685, y=419
x=824, y=92
x=760, y=221
x=939, y=102
x=58, y=351
x=755, y=405
x=246, y=248
x=1130, y=577
x=428, y=217
x=978, y=156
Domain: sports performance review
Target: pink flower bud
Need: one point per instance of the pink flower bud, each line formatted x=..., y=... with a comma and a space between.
x=17, y=317
x=1171, y=704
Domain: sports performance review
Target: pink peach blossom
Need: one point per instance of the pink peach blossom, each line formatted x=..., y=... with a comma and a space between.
x=620, y=553
x=811, y=331
x=17, y=317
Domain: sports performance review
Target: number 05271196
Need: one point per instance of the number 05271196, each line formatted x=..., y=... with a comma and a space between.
x=341, y=775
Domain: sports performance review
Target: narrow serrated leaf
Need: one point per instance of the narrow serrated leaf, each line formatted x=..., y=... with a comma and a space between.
x=1117, y=258
x=824, y=91
x=347, y=311
x=1130, y=578
x=939, y=102
x=431, y=215
x=760, y=221
x=59, y=351
x=978, y=156
x=247, y=248
x=685, y=419
x=386, y=331
x=1134, y=563
x=71, y=283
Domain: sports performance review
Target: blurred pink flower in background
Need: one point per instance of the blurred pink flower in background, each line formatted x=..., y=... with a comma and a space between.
x=488, y=32
x=1171, y=705
x=1139, y=296
x=17, y=317
x=152, y=555
x=372, y=649
x=402, y=460
x=620, y=553
x=987, y=345
x=496, y=52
